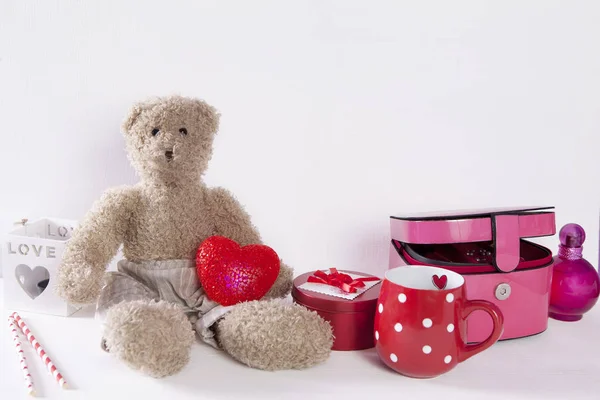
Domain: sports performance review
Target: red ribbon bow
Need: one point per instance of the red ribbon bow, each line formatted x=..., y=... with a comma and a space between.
x=340, y=280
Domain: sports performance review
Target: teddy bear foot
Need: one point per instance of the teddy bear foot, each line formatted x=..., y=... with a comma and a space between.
x=270, y=335
x=152, y=337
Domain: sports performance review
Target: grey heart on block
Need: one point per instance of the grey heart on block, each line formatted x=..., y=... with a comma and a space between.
x=32, y=281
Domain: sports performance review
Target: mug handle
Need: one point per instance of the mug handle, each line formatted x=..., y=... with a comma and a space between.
x=467, y=351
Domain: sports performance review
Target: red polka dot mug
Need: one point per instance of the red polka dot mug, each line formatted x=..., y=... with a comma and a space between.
x=421, y=321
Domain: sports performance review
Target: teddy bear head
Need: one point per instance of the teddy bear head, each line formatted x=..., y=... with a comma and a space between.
x=169, y=139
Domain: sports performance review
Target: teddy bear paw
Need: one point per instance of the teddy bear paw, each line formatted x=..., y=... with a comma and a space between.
x=153, y=337
x=271, y=335
x=79, y=283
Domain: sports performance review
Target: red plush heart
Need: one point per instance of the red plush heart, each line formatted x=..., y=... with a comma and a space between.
x=440, y=281
x=232, y=274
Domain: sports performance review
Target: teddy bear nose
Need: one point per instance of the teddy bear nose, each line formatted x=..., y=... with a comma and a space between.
x=169, y=154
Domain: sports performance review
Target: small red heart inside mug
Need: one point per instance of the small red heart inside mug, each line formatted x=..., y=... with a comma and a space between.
x=421, y=321
x=440, y=281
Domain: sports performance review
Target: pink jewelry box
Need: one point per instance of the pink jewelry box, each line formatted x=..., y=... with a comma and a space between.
x=488, y=248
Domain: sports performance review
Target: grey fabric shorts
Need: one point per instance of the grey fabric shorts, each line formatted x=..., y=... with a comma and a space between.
x=174, y=281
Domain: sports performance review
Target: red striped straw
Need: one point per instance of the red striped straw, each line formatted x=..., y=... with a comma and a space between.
x=12, y=326
x=41, y=352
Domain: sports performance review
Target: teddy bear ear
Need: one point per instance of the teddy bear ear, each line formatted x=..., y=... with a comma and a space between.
x=134, y=113
x=209, y=116
x=136, y=110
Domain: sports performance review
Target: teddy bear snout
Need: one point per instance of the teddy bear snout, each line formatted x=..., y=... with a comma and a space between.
x=169, y=154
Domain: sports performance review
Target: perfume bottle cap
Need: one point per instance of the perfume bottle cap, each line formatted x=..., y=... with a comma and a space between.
x=572, y=236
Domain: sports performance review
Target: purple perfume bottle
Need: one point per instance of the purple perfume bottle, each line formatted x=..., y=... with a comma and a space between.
x=575, y=282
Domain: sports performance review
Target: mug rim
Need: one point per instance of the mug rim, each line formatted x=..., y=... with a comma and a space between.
x=422, y=268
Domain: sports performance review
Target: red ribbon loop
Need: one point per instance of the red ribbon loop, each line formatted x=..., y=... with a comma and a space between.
x=340, y=280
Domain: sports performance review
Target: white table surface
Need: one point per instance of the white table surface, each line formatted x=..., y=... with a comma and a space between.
x=561, y=363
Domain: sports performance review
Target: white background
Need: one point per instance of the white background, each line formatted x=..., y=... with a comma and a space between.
x=335, y=114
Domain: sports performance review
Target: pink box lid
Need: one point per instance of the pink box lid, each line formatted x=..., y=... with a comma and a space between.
x=503, y=226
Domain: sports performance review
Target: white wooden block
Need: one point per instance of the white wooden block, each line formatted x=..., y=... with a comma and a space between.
x=31, y=255
x=5, y=226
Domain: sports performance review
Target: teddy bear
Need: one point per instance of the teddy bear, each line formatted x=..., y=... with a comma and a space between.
x=153, y=307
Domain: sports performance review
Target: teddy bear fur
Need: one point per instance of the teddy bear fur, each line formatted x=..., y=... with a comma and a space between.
x=165, y=217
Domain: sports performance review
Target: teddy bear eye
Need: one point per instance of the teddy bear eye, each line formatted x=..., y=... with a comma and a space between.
x=155, y=131
x=183, y=131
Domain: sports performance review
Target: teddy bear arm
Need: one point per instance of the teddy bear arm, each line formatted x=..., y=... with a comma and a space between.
x=283, y=284
x=93, y=245
x=233, y=222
